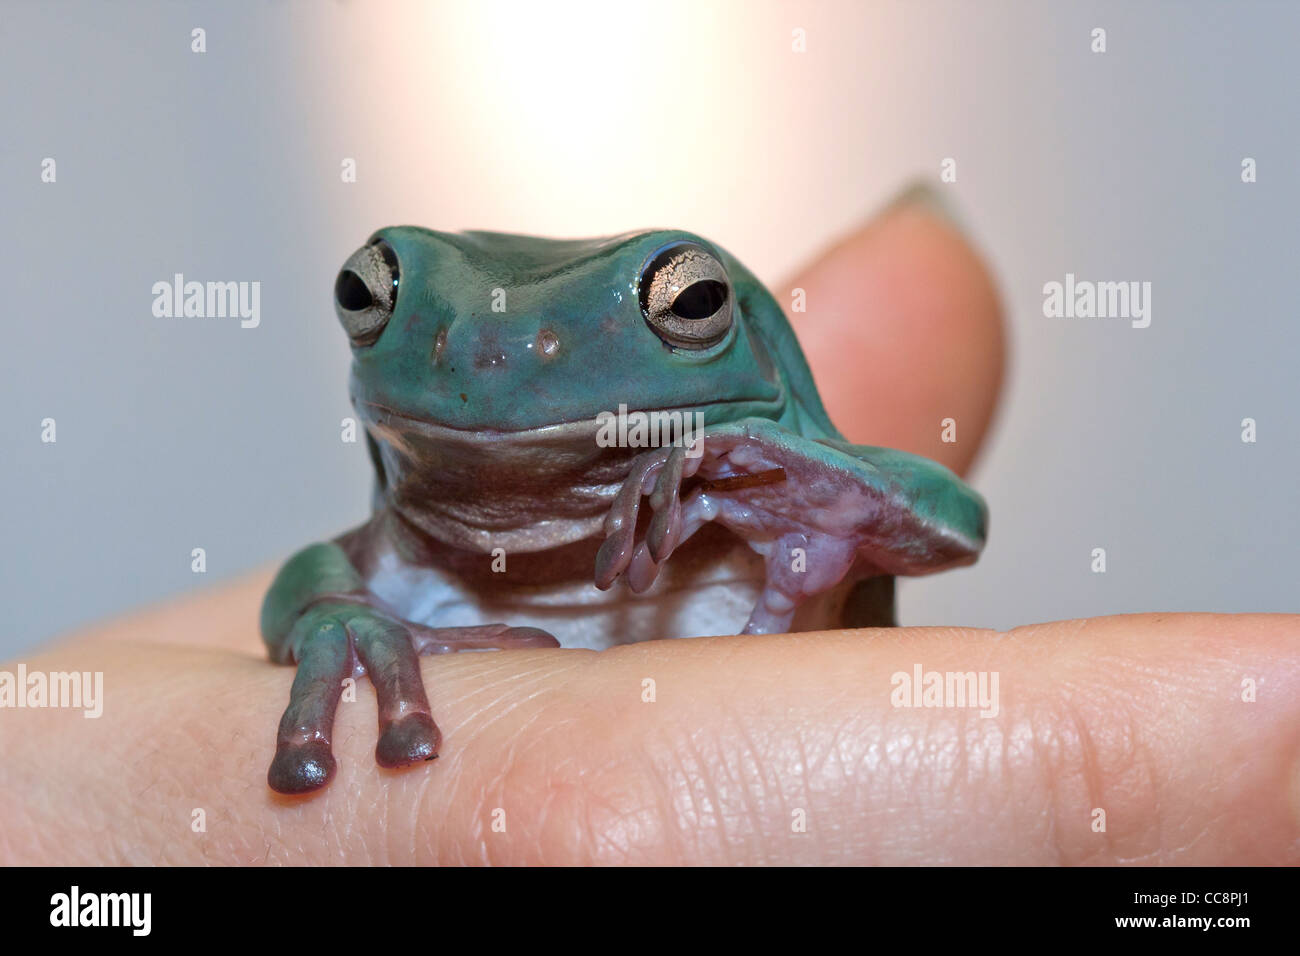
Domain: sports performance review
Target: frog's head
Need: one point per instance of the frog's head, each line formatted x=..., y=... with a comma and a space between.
x=491, y=333
x=483, y=362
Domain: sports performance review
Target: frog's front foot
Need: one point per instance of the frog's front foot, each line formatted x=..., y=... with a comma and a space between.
x=816, y=510
x=334, y=640
x=657, y=474
x=731, y=490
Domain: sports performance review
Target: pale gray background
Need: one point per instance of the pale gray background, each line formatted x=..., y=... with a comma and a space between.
x=596, y=119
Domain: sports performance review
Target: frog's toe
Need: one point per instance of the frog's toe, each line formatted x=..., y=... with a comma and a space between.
x=478, y=637
x=643, y=570
x=657, y=474
x=301, y=768
x=303, y=761
x=408, y=740
x=407, y=733
x=646, y=477
x=613, y=558
x=664, y=531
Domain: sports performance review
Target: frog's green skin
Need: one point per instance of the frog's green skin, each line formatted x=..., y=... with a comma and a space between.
x=481, y=363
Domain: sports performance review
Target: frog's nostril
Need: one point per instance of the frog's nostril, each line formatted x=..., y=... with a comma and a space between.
x=439, y=344
x=547, y=343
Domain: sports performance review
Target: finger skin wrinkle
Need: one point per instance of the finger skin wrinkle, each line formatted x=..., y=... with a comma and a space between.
x=696, y=805
x=497, y=699
x=536, y=777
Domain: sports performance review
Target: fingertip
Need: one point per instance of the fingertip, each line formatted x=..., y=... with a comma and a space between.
x=908, y=300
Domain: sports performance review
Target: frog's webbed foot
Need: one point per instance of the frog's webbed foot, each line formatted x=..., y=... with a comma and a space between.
x=726, y=467
x=335, y=640
x=815, y=509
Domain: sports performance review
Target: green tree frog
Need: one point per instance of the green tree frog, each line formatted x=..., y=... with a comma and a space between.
x=583, y=443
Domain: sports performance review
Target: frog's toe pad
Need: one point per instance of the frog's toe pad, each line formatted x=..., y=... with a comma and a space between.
x=409, y=740
x=301, y=768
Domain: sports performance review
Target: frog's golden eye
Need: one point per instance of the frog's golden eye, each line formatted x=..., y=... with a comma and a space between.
x=685, y=296
x=365, y=292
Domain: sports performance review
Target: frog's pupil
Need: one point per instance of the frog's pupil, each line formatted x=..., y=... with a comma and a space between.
x=351, y=292
x=699, y=300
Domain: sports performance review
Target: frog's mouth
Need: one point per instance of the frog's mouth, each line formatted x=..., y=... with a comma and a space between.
x=624, y=426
